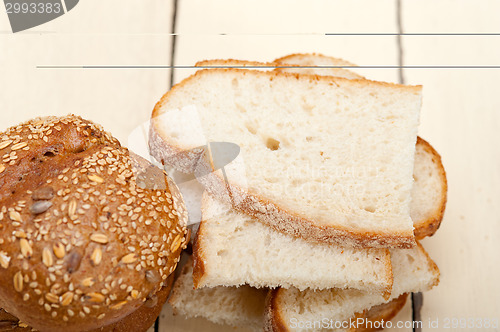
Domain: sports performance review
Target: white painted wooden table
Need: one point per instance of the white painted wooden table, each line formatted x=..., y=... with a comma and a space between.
x=460, y=114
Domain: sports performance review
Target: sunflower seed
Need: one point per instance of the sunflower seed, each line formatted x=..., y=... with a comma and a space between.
x=40, y=207
x=73, y=261
x=44, y=193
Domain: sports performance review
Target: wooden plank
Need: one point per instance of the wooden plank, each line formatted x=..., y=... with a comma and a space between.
x=264, y=30
x=460, y=119
x=93, y=33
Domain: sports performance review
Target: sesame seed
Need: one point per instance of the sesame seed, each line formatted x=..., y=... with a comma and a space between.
x=2, y=168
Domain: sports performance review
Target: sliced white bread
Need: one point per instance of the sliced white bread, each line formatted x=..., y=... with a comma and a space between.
x=316, y=64
x=288, y=309
x=429, y=192
x=339, y=173
x=225, y=236
x=244, y=306
x=233, y=248
x=430, y=187
x=235, y=306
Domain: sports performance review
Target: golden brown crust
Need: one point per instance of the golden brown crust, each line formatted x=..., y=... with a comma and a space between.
x=234, y=63
x=139, y=320
x=259, y=207
x=286, y=59
x=198, y=263
x=273, y=321
x=431, y=225
x=88, y=232
x=380, y=313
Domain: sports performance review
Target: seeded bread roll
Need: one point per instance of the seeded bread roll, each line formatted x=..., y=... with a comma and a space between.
x=88, y=231
x=139, y=320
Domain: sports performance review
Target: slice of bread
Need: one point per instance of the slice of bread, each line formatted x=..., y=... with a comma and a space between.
x=286, y=309
x=244, y=306
x=339, y=173
x=316, y=64
x=430, y=185
x=235, y=306
x=233, y=248
x=429, y=192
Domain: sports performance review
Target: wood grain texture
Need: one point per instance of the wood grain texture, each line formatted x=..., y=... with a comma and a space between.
x=265, y=30
x=460, y=117
x=93, y=33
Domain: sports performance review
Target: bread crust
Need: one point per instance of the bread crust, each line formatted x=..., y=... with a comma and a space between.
x=260, y=207
x=431, y=225
x=382, y=312
x=273, y=320
x=72, y=228
x=137, y=321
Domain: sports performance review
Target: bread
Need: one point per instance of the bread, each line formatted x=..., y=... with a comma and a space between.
x=244, y=306
x=430, y=185
x=429, y=192
x=376, y=316
x=88, y=232
x=316, y=64
x=361, y=210
x=232, y=249
x=139, y=320
x=235, y=306
x=286, y=309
